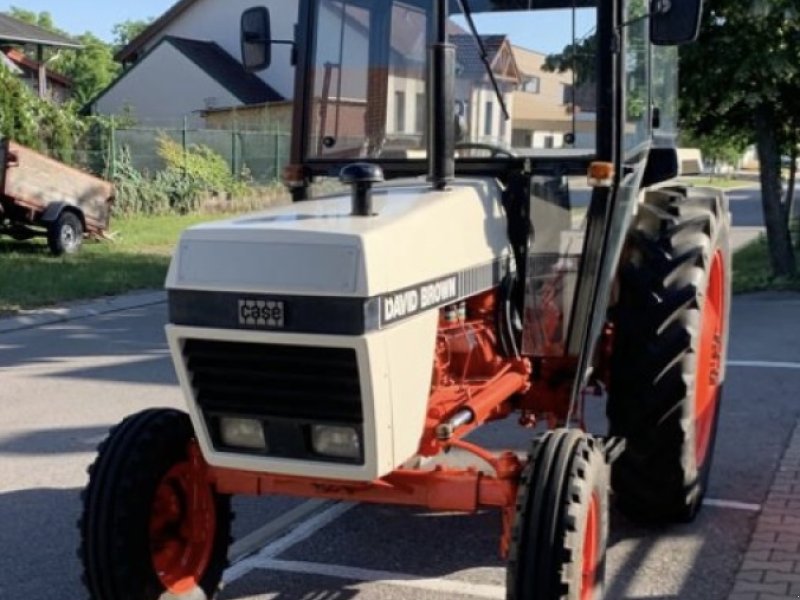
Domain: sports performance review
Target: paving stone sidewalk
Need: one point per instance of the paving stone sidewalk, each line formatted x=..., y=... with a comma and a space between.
x=771, y=567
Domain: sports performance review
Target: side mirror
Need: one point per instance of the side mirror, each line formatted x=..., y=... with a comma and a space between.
x=256, y=39
x=675, y=22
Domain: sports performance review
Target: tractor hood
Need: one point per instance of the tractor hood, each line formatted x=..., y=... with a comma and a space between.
x=317, y=248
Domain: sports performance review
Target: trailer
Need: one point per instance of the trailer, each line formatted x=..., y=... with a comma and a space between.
x=40, y=196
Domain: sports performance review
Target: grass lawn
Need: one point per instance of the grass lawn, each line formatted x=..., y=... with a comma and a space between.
x=138, y=259
x=751, y=270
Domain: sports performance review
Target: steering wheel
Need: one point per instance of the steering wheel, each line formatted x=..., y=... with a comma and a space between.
x=493, y=149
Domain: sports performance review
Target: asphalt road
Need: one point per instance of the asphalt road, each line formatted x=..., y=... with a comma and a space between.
x=63, y=386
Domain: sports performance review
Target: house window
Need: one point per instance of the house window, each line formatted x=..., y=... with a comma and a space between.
x=488, y=118
x=419, y=117
x=533, y=85
x=549, y=141
x=400, y=112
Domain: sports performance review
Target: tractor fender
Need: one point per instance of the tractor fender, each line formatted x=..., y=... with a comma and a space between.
x=55, y=209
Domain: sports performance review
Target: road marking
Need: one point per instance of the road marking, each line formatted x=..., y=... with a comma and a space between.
x=301, y=532
x=447, y=586
x=275, y=529
x=759, y=364
x=733, y=504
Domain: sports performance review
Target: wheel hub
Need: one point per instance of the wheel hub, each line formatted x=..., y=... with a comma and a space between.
x=182, y=528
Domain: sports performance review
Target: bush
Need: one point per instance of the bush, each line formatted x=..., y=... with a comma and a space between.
x=205, y=169
x=188, y=181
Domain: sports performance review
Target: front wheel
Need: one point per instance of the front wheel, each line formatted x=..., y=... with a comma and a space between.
x=560, y=534
x=151, y=523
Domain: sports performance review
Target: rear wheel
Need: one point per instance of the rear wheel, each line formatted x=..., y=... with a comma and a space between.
x=561, y=529
x=151, y=523
x=668, y=363
x=65, y=234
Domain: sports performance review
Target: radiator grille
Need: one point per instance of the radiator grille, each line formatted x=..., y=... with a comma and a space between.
x=310, y=384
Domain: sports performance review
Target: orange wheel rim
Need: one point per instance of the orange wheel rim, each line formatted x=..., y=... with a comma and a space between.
x=591, y=541
x=709, y=359
x=182, y=528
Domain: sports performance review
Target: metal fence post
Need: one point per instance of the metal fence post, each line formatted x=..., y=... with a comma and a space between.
x=277, y=168
x=112, y=151
x=184, y=136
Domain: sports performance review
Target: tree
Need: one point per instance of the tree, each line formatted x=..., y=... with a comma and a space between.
x=92, y=68
x=43, y=19
x=127, y=31
x=743, y=77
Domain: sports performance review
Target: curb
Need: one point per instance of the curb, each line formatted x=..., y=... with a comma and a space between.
x=82, y=310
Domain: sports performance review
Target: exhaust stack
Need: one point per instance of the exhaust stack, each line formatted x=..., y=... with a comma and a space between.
x=441, y=103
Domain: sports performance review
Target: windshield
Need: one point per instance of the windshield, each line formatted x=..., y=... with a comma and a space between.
x=369, y=80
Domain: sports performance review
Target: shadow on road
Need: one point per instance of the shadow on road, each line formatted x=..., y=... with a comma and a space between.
x=53, y=441
x=130, y=347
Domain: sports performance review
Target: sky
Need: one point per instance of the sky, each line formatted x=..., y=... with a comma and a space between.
x=545, y=31
x=97, y=16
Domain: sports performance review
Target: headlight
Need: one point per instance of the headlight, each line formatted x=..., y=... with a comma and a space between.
x=242, y=433
x=337, y=442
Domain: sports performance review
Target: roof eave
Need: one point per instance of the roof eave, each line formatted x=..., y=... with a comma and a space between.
x=52, y=43
x=135, y=45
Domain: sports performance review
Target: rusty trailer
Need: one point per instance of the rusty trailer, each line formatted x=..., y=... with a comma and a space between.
x=40, y=196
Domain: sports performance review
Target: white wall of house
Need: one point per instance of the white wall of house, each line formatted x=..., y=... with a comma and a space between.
x=215, y=21
x=151, y=90
x=487, y=124
x=412, y=93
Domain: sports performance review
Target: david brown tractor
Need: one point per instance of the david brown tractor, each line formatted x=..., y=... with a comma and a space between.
x=346, y=347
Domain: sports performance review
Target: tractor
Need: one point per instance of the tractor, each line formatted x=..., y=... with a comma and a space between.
x=349, y=346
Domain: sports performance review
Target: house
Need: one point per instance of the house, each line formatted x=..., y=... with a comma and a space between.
x=476, y=98
x=543, y=105
x=187, y=62
x=177, y=79
x=16, y=35
x=57, y=87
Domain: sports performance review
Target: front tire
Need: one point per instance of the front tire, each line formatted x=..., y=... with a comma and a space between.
x=151, y=523
x=667, y=368
x=560, y=533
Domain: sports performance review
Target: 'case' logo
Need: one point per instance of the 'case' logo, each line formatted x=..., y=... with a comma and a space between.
x=262, y=313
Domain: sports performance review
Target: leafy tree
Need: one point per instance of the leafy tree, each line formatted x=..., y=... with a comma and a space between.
x=43, y=19
x=719, y=148
x=743, y=77
x=127, y=31
x=92, y=68
x=580, y=57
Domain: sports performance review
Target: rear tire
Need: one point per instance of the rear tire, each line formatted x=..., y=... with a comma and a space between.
x=150, y=524
x=667, y=367
x=560, y=532
x=65, y=234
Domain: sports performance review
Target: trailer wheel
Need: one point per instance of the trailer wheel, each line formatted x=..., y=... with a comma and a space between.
x=151, y=524
x=667, y=367
x=65, y=234
x=560, y=533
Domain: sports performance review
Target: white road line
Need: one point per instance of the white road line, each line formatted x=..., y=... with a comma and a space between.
x=302, y=532
x=274, y=529
x=760, y=364
x=445, y=586
x=733, y=504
